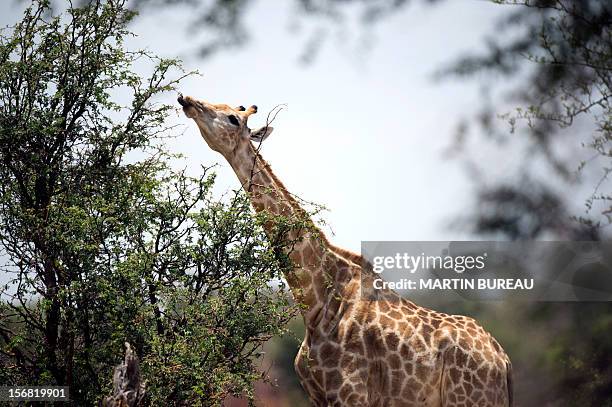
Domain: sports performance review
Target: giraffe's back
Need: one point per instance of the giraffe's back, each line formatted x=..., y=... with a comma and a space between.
x=387, y=351
x=394, y=353
x=444, y=360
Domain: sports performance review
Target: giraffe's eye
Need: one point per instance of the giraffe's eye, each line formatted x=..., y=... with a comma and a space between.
x=233, y=120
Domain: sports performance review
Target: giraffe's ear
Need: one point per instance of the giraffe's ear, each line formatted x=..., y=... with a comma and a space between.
x=261, y=134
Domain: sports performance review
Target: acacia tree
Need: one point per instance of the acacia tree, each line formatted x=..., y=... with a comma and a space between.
x=102, y=242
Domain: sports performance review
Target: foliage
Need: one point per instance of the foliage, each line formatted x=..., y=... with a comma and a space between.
x=101, y=242
x=555, y=60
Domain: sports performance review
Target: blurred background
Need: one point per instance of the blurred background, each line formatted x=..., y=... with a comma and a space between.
x=420, y=120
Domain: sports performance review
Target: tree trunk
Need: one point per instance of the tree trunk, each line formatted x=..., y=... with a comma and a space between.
x=128, y=389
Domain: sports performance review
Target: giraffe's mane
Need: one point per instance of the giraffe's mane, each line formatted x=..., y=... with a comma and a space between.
x=346, y=254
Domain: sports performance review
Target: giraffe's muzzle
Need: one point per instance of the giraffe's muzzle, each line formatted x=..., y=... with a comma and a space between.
x=182, y=101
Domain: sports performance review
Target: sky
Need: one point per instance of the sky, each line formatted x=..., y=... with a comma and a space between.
x=364, y=132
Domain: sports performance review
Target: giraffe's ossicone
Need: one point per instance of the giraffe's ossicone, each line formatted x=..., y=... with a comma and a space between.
x=385, y=351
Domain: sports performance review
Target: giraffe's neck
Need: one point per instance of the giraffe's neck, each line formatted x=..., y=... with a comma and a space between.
x=308, y=279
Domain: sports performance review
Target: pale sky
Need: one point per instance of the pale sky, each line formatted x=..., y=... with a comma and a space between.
x=364, y=133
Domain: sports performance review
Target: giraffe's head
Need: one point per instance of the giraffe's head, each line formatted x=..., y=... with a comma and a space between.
x=223, y=128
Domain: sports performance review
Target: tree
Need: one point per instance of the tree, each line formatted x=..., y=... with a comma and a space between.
x=102, y=242
x=556, y=55
x=555, y=58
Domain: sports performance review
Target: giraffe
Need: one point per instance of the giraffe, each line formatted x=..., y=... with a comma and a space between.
x=380, y=350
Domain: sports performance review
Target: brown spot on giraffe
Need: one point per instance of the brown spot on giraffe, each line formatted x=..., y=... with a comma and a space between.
x=330, y=355
x=378, y=349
